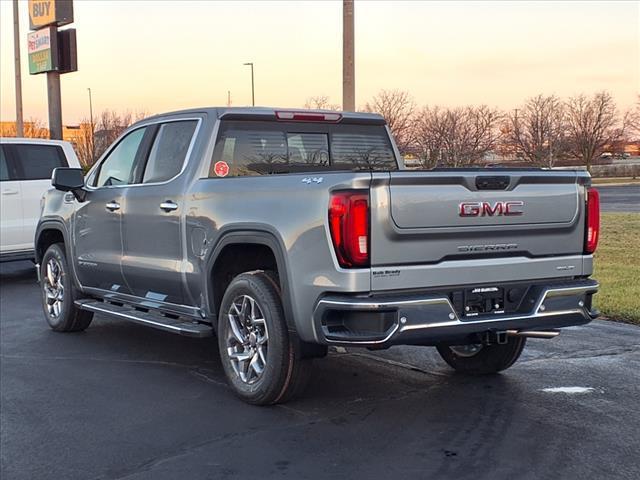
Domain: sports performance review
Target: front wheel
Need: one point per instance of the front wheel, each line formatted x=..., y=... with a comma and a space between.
x=57, y=293
x=262, y=360
x=478, y=359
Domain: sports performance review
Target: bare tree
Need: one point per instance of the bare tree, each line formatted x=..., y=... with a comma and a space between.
x=427, y=135
x=35, y=128
x=483, y=134
x=633, y=120
x=537, y=131
x=592, y=125
x=85, y=144
x=397, y=107
x=455, y=137
x=110, y=126
x=320, y=102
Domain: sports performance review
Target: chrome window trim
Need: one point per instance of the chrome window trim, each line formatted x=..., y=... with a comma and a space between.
x=185, y=162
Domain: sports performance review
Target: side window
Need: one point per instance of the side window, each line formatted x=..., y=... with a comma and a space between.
x=36, y=162
x=117, y=168
x=4, y=166
x=169, y=151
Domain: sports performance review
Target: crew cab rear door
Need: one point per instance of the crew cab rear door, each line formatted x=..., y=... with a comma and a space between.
x=152, y=239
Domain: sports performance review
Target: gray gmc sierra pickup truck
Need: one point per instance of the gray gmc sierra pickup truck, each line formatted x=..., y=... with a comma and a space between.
x=284, y=232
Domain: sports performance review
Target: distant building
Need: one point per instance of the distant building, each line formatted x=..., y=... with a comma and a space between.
x=33, y=129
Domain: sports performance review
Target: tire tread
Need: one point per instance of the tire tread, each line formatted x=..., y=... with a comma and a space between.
x=74, y=319
x=292, y=374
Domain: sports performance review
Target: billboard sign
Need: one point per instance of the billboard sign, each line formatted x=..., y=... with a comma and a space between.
x=50, y=12
x=43, y=50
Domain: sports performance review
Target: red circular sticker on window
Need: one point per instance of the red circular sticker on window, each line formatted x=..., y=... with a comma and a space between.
x=221, y=169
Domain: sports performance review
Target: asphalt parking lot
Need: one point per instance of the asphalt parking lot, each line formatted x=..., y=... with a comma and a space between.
x=120, y=401
x=619, y=198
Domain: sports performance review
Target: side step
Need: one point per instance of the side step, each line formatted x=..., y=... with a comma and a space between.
x=150, y=319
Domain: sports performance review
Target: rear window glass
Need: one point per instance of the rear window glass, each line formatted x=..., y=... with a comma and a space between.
x=363, y=151
x=36, y=162
x=265, y=148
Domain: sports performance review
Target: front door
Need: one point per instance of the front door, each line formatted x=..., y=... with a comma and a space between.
x=97, y=223
x=152, y=219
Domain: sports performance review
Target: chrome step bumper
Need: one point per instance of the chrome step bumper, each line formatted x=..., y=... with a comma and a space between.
x=432, y=319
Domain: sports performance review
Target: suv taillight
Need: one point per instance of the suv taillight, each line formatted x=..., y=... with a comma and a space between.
x=349, y=225
x=593, y=221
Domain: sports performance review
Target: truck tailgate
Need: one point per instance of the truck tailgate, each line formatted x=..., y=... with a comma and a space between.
x=474, y=217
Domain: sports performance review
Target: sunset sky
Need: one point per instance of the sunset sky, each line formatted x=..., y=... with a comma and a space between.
x=164, y=55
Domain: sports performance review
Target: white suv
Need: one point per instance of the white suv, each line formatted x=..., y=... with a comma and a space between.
x=26, y=165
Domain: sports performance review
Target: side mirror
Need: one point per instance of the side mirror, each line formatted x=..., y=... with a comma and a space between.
x=69, y=180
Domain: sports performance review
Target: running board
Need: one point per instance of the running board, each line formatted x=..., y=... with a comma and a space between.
x=150, y=319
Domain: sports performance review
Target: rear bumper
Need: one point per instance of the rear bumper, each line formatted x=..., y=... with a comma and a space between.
x=430, y=319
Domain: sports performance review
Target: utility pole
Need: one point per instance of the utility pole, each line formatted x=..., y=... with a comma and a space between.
x=348, y=65
x=16, y=49
x=253, y=91
x=93, y=131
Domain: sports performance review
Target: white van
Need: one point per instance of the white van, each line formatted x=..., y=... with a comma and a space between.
x=26, y=165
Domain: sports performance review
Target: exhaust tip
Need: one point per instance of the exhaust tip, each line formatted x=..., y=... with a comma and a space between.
x=547, y=334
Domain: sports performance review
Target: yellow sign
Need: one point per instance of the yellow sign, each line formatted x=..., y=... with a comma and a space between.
x=49, y=12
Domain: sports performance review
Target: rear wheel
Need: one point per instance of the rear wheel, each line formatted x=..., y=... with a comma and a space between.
x=58, y=293
x=261, y=358
x=479, y=359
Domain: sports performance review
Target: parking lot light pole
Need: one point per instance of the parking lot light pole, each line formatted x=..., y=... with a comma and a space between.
x=253, y=92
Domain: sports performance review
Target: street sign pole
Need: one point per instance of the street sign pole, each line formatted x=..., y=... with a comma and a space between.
x=18, y=72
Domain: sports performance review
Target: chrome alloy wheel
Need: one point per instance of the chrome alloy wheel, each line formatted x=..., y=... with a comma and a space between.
x=466, y=350
x=53, y=288
x=247, y=339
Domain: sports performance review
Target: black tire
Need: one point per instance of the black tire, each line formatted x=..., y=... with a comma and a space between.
x=488, y=359
x=284, y=373
x=66, y=317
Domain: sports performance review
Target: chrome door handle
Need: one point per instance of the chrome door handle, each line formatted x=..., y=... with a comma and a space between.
x=168, y=206
x=112, y=206
x=9, y=192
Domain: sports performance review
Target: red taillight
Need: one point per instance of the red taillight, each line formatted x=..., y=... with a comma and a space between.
x=593, y=221
x=309, y=116
x=349, y=225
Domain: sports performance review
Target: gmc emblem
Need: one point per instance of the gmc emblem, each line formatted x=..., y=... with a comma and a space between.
x=486, y=209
